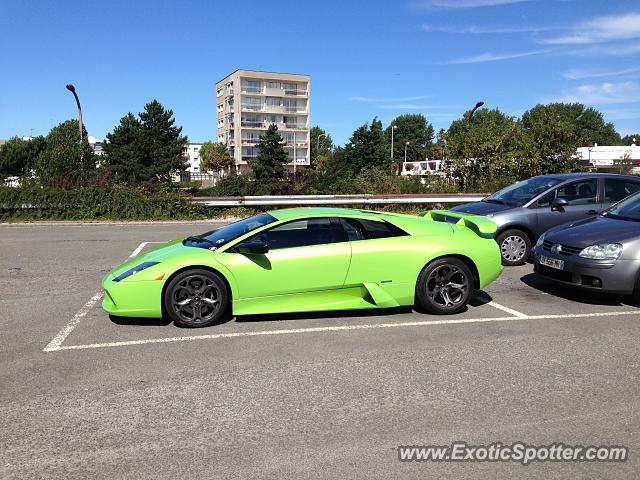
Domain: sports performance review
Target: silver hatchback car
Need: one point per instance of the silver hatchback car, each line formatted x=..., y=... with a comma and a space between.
x=525, y=210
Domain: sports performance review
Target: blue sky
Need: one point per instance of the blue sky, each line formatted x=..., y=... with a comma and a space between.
x=366, y=58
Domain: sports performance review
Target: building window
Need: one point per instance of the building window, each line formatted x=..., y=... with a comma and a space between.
x=290, y=86
x=290, y=105
x=252, y=103
x=288, y=137
x=251, y=85
x=273, y=101
x=273, y=84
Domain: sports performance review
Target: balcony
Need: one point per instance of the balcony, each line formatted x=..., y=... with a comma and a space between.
x=246, y=158
x=246, y=123
x=295, y=126
x=250, y=141
x=297, y=143
x=257, y=90
x=253, y=108
x=296, y=93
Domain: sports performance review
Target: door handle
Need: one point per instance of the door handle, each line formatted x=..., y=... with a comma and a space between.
x=591, y=212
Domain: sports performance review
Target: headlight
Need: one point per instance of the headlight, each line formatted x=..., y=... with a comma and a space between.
x=606, y=251
x=540, y=240
x=136, y=269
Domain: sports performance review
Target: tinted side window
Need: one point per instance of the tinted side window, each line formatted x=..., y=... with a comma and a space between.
x=545, y=200
x=380, y=229
x=579, y=193
x=616, y=189
x=299, y=233
x=353, y=229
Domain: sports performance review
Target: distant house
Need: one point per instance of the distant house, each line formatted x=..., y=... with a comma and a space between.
x=608, y=157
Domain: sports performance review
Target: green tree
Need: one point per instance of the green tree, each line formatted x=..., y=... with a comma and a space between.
x=319, y=150
x=577, y=125
x=412, y=128
x=268, y=168
x=627, y=140
x=18, y=156
x=555, y=131
x=490, y=144
x=333, y=175
x=367, y=147
x=215, y=156
x=146, y=149
x=64, y=160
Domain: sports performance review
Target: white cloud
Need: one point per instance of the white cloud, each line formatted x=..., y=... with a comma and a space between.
x=621, y=114
x=387, y=99
x=458, y=4
x=581, y=74
x=613, y=50
x=493, y=57
x=602, y=93
x=601, y=29
x=417, y=106
x=482, y=30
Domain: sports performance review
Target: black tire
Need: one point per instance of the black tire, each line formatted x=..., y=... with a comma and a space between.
x=515, y=247
x=444, y=286
x=196, y=298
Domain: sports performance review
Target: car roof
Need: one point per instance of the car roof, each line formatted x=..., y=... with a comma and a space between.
x=569, y=176
x=287, y=213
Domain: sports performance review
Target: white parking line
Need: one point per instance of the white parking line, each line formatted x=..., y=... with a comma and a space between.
x=56, y=343
x=138, y=249
x=68, y=328
x=338, y=328
x=507, y=309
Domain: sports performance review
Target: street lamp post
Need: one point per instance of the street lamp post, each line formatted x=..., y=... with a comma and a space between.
x=393, y=129
x=473, y=110
x=72, y=89
x=405, y=151
x=318, y=141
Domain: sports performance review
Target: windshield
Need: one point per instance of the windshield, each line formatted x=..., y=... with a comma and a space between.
x=520, y=193
x=223, y=235
x=628, y=209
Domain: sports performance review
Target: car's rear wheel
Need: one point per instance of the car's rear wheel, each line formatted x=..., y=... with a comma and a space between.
x=196, y=298
x=444, y=286
x=515, y=247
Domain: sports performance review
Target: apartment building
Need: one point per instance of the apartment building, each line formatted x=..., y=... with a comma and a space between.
x=248, y=101
x=191, y=153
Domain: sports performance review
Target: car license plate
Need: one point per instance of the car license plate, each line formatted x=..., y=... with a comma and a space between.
x=551, y=262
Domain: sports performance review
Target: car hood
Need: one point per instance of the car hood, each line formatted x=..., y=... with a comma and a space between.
x=592, y=231
x=481, y=208
x=156, y=255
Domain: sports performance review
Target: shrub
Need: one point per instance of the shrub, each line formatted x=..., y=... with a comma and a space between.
x=90, y=203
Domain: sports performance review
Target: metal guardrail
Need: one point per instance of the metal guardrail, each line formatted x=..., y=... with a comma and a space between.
x=365, y=199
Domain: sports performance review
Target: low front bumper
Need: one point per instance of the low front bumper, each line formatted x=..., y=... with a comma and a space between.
x=132, y=299
x=614, y=276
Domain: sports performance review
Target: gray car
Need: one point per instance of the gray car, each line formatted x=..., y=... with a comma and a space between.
x=600, y=253
x=525, y=210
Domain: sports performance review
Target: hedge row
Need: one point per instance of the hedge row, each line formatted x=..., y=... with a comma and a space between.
x=90, y=203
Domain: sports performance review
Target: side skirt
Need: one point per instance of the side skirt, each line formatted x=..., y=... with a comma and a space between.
x=369, y=295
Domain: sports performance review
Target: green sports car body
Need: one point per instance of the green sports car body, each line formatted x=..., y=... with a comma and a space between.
x=310, y=259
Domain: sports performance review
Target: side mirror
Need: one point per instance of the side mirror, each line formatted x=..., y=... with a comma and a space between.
x=255, y=247
x=558, y=204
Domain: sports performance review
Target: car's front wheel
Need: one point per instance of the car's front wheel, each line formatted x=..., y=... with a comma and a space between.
x=444, y=286
x=196, y=298
x=515, y=247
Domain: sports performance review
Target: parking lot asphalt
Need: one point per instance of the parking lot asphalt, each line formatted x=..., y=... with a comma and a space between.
x=297, y=396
